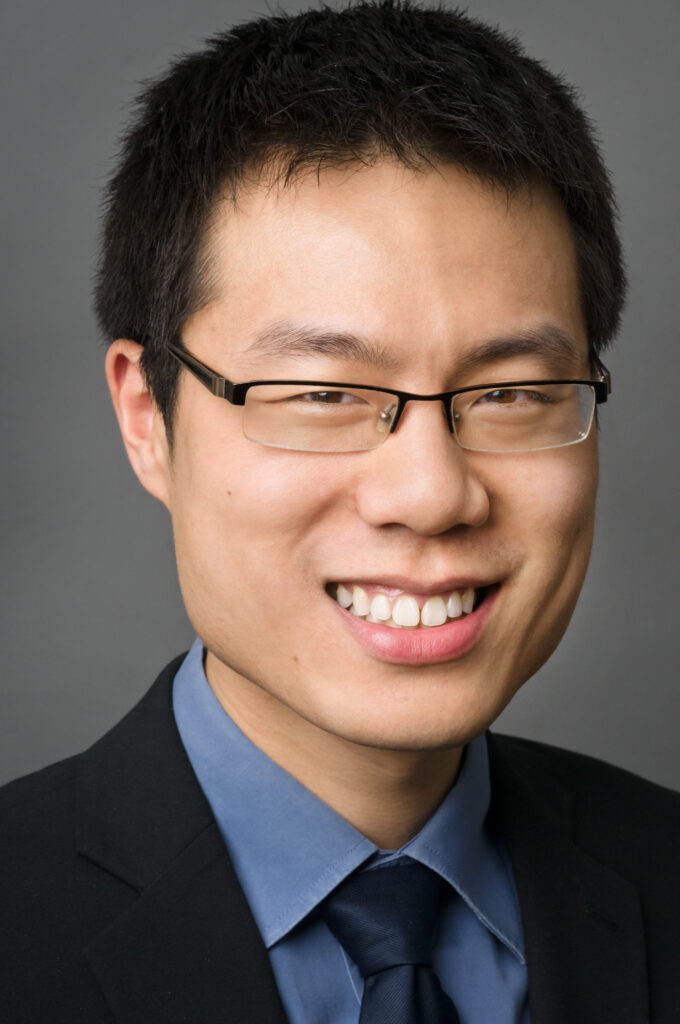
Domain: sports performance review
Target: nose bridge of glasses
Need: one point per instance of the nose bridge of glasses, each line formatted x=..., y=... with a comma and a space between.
x=405, y=398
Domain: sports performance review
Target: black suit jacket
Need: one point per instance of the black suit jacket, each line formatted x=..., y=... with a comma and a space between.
x=119, y=902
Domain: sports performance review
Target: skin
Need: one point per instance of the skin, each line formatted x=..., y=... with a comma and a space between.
x=430, y=265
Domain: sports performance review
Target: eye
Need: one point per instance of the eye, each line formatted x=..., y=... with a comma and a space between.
x=326, y=397
x=512, y=396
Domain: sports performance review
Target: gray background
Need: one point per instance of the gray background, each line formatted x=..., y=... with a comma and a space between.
x=90, y=604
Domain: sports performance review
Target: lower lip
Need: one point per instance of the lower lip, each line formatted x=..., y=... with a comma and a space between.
x=424, y=646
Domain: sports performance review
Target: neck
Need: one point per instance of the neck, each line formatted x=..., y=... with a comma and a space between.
x=387, y=795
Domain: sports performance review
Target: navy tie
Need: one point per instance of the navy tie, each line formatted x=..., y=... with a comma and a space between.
x=386, y=921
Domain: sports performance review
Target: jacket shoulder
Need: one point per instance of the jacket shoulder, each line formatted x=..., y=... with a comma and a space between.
x=43, y=785
x=36, y=820
x=619, y=816
x=580, y=771
x=45, y=799
x=55, y=898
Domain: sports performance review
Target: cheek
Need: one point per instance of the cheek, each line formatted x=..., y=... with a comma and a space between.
x=543, y=514
x=550, y=498
x=243, y=513
x=278, y=504
x=568, y=517
x=551, y=505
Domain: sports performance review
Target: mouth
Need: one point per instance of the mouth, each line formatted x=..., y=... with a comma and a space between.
x=392, y=607
x=411, y=627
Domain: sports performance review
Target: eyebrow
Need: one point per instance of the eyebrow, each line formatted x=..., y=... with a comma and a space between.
x=290, y=340
x=551, y=345
x=548, y=342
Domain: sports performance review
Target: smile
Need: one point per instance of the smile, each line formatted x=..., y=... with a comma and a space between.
x=410, y=628
x=406, y=611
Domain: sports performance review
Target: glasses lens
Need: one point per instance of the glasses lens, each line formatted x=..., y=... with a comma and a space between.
x=523, y=418
x=317, y=418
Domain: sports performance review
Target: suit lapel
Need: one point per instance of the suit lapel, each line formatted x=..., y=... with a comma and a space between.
x=582, y=921
x=186, y=948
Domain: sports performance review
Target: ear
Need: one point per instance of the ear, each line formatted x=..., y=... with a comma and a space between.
x=139, y=419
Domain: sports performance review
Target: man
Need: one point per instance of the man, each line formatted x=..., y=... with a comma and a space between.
x=357, y=272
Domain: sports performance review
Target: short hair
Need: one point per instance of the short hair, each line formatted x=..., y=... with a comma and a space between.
x=290, y=94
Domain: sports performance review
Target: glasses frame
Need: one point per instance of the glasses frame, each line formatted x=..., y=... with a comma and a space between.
x=221, y=387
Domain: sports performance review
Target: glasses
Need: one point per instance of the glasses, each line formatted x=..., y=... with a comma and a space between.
x=327, y=416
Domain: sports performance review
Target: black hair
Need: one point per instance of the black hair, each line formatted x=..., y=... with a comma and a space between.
x=287, y=94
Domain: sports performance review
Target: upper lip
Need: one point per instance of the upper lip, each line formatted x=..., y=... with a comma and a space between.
x=411, y=586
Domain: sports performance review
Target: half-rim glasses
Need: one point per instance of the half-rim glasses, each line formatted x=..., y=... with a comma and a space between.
x=332, y=416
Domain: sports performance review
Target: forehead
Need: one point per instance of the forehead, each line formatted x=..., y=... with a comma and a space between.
x=417, y=264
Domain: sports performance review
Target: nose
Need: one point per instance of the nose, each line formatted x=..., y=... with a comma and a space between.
x=421, y=478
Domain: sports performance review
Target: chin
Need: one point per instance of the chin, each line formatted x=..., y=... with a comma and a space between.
x=397, y=725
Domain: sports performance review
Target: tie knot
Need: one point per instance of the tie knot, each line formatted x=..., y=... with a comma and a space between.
x=386, y=917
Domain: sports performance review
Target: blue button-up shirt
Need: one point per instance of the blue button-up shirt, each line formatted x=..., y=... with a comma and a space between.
x=289, y=850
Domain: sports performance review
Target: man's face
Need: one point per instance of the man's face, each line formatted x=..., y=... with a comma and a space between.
x=430, y=267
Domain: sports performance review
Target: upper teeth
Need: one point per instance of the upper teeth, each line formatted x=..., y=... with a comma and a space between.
x=404, y=610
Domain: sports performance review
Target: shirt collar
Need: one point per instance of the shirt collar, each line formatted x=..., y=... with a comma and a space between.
x=290, y=850
x=454, y=842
